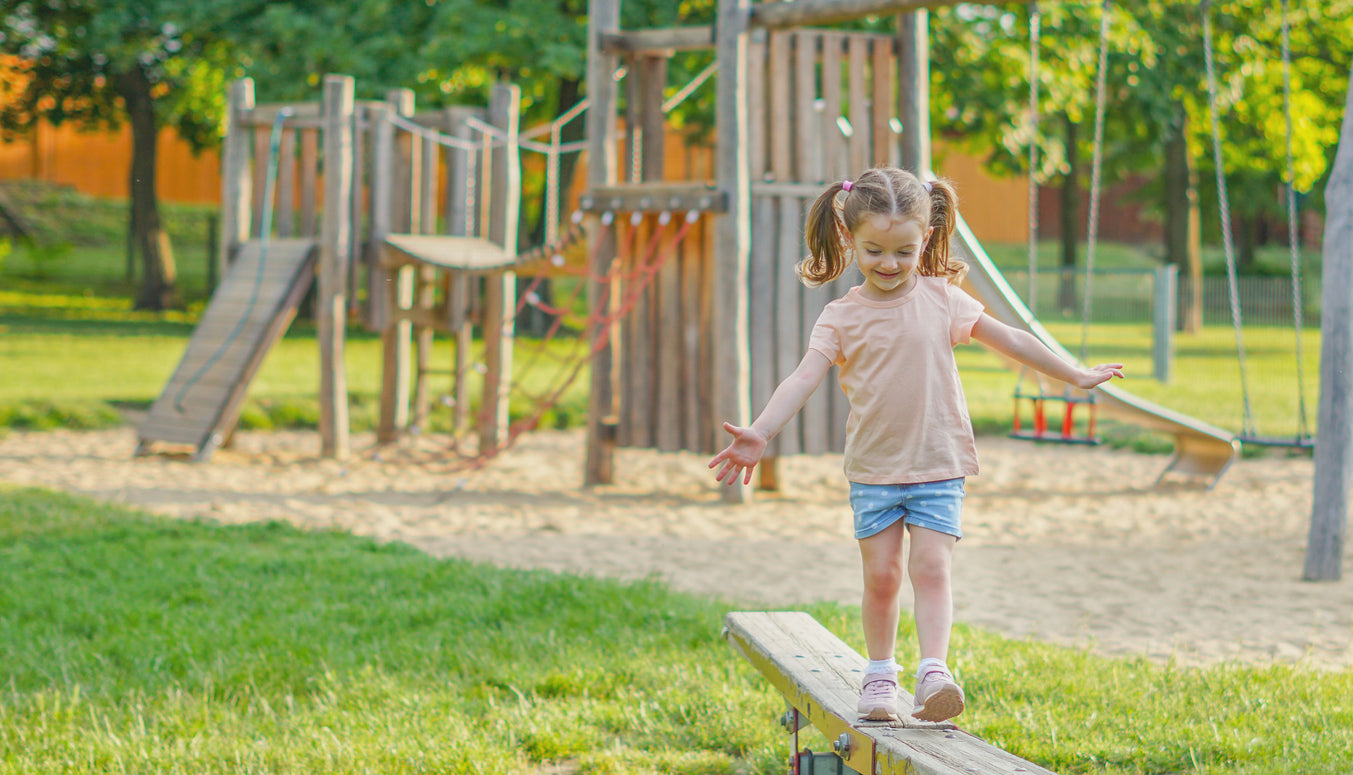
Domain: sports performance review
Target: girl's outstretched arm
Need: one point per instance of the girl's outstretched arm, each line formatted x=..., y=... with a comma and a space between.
x=749, y=443
x=1028, y=350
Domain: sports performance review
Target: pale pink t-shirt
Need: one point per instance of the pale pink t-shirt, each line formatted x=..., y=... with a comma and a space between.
x=908, y=416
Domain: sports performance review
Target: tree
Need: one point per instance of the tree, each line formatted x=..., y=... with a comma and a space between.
x=151, y=64
x=1158, y=116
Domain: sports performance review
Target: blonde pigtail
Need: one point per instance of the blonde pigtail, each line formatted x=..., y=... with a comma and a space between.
x=824, y=234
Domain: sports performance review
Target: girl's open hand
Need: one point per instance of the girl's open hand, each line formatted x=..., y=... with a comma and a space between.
x=1097, y=375
x=740, y=456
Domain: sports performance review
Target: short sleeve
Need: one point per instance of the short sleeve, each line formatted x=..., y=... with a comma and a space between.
x=964, y=312
x=826, y=336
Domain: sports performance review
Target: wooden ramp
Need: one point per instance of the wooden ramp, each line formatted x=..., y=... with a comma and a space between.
x=819, y=675
x=248, y=313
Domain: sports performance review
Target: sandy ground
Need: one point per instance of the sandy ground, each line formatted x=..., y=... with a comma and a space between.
x=1073, y=545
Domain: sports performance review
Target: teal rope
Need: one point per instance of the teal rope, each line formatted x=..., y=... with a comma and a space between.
x=269, y=188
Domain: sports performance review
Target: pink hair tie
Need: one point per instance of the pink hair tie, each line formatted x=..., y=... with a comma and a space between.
x=846, y=185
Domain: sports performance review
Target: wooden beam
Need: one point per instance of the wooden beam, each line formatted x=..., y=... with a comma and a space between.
x=236, y=189
x=500, y=288
x=658, y=40
x=803, y=13
x=913, y=89
x=731, y=350
x=819, y=675
x=654, y=198
x=331, y=309
x=1334, y=419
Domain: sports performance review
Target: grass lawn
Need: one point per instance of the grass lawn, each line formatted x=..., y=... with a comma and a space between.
x=141, y=644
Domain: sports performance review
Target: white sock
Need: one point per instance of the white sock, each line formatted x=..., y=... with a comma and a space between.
x=888, y=666
x=930, y=664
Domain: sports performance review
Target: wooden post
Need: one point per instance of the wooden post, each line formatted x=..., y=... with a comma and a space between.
x=396, y=287
x=458, y=220
x=500, y=288
x=732, y=400
x=336, y=231
x=913, y=89
x=236, y=184
x=603, y=17
x=1334, y=450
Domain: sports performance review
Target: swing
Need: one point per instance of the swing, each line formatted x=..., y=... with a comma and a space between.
x=1071, y=397
x=1249, y=433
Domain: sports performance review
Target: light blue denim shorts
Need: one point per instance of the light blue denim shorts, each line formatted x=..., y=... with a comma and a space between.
x=933, y=505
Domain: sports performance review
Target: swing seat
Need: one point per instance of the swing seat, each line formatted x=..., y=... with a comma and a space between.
x=1290, y=442
x=1067, y=434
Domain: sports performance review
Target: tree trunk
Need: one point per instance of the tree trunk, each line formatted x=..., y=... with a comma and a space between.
x=1183, y=236
x=148, y=237
x=1070, y=222
x=1246, y=231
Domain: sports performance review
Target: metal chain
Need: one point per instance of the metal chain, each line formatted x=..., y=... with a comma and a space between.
x=1293, y=238
x=1096, y=175
x=1225, y=207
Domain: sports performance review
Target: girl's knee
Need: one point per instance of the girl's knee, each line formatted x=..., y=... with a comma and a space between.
x=885, y=578
x=929, y=569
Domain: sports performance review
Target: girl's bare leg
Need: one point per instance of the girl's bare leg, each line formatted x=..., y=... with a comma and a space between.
x=930, y=564
x=882, y=559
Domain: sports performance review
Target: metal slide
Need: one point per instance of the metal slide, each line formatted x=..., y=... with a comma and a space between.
x=1200, y=449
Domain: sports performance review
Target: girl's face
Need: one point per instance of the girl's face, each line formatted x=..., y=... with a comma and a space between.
x=888, y=250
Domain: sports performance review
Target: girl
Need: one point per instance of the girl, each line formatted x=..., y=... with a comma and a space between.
x=909, y=442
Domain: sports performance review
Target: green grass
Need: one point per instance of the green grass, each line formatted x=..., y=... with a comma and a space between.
x=141, y=644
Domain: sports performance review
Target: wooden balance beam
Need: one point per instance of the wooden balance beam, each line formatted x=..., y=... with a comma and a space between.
x=819, y=675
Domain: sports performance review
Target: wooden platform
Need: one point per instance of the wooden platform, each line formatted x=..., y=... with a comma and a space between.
x=819, y=675
x=248, y=313
x=470, y=254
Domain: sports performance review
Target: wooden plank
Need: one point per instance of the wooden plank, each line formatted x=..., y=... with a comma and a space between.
x=643, y=336
x=657, y=40
x=819, y=675
x=836, y=159
x=807, y=124
x=762, y=273
x=758, y=113
x=654, y=198
x=259, y=178
x=669, y=332
x=471, y=254
x=286, y=183
x=804, y=13
x=309, y=183
x=780, y=109
x=788, y=311
x=691, y=382
x=201, y=401
x=883, y=70
x=858, y=94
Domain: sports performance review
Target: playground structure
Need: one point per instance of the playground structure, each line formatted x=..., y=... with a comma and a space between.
x=692, y=323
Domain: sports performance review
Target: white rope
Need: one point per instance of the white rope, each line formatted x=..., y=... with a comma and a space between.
x=427, y=133
x=1225, y=207
x=689, y=89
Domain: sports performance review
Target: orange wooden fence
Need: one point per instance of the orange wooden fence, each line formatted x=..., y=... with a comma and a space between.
x=98, y=163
